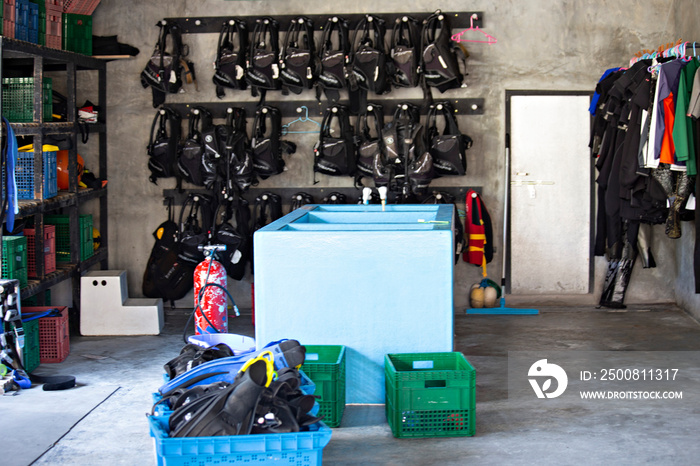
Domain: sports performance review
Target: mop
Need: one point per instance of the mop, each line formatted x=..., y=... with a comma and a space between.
x=503, y=310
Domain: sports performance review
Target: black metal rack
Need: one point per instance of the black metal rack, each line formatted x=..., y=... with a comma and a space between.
x=21, y=58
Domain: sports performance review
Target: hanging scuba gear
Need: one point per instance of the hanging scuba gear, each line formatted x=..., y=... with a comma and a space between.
x=405, y=53
x=164, y=70
x=262, y=70
x=448, y=149
x=190, y=162
x=334, y=55
x=300, y=199
x=166, y=276
x=196, y=229
x=240, y=173
x=164, y=144
x=369, y=60
x=368, y=140
x=229, y=67
x=335, y=156
x=439, y=61
x=266, y=146
x=439, y=197
x=236, y=239
x=298, y=62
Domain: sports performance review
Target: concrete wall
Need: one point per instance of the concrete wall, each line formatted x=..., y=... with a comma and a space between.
x=562, y=45
x=687, y=20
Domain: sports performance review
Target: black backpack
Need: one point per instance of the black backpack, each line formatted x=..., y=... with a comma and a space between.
x=164, y=70
x=267, y=147
x=196, y=229
x=190, y=160
x=405, y=52
x=369, y=59
x=335, y=155
x=163, y=145
x=334, y=55
x=449, y=148
x=230, y=63
x=236, y=238
x=439, y=61
x=368, y=139
x=262, y=72
x=166, y=276
x=299, y=64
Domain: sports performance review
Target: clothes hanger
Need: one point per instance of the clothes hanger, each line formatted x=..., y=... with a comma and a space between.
x=301, y=119
x=489, y=38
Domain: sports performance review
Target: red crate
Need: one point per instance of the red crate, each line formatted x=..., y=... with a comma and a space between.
x=54, y=42
x=8, y=18
x=54, y=338
x=49, y=250
x=54, y=5
x=80, y=7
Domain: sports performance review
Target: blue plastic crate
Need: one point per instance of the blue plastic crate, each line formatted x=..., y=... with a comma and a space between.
x=298, y=448
x=24, y=175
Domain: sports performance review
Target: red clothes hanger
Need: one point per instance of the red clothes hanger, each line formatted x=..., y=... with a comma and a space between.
x=489, y=38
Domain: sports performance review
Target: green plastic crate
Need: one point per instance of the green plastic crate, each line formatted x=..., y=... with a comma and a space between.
x=30, y=352
x=18, y=99
x=430, y=395
x=63, y=236
x=77, y=33
x=14, y=254
x=325, y=366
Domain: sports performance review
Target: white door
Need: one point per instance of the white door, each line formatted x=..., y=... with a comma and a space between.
x=550, y=194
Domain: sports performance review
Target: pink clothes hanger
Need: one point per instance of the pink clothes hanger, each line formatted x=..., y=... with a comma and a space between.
x=489, y=38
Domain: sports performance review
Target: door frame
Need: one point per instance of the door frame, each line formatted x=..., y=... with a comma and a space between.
x=592, y=192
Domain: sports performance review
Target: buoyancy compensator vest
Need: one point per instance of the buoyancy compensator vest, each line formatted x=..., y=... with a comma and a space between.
x=236, y=238
x=405, y=52
x=439, y=61
x=335, y=155
x=408, y=164
x=368, y=139
x=298, y=62
x=369, y=59
x=267, y=147
x=334, y=55
x=240, y=171
x=196, y=228
x=190, y=162
x=449, y=148
x=164, y=70
x=164, y=144
x=215, y=137
x=230, y=63
x=262, y=70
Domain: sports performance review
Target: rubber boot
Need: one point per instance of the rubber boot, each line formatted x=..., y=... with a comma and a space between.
x=644, y=246
x=683, y=189
x=232, y=410
x=622, y=278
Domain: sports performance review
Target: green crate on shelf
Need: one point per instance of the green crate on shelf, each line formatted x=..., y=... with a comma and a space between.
x=42, y=20
x=77, y=33
x=430, y=395
x=30, y=352
x=20, y=274
x=14, y=254
x=32, y=300
x=18, y=99
x=63, y=236
x=325, y=366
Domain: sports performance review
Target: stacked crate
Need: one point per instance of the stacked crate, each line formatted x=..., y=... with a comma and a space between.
x=49, y=250
x=77, y=33
x=22, y=20
x=18, y=99
x=80, y=7
x=8, y=18
x=63, y=236
x=24, y=175
x=14, y=258
x=54, y=24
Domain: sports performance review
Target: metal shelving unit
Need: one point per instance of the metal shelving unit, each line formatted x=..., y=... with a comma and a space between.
x=21, y=58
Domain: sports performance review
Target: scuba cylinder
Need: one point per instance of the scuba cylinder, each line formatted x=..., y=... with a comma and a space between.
x=211, y=314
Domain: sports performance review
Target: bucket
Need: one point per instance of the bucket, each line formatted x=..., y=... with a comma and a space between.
x=239, y=344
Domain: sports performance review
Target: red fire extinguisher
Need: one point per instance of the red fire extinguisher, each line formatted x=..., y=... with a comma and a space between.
x=211, y=313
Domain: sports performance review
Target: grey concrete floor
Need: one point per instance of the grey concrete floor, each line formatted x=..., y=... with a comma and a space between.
x=103, y=420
